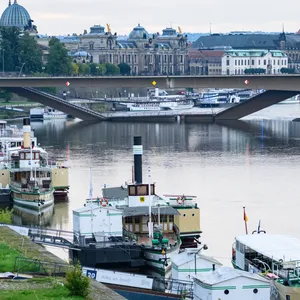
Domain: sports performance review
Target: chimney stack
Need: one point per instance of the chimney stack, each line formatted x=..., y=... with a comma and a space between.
x=26, y=133
x=138, y=154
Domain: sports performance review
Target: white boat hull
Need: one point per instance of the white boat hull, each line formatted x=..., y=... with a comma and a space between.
x=160, y=263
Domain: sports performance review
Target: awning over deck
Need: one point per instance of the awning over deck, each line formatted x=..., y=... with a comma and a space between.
x=144, y=211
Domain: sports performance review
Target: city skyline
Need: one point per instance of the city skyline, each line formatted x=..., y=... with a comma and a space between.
x=123, y=16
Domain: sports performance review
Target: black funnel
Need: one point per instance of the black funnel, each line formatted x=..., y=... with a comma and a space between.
x=138, y=154
x=26, y=121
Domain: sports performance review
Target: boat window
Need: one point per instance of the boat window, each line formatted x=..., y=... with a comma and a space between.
x=255, y=291
x=171, y=218
x=141, y=190
x=132, y=191
x=242, y=248
x=226, y=292
x=27, y=156
x=137, y=220
x=237, y=245
x=163, y=219
x=128, y=220
x=22, y=155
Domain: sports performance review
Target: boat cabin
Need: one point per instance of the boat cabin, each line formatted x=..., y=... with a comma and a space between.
x=95, y=223
x=277, y=255
x=228, y=283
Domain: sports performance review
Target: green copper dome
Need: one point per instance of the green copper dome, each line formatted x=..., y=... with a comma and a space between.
x=15, y=15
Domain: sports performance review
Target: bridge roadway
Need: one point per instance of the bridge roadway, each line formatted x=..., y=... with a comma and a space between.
x=57, y=103
x=289, y=82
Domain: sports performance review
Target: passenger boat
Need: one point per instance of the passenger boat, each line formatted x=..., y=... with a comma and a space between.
x=145, y=106
x=48, y=113
x=30, y=176
x=215, y=97
x=173, y=214
x=275, y=257
x=11, y=143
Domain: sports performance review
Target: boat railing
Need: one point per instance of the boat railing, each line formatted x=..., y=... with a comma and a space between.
x=31, y=187
x=130, y=235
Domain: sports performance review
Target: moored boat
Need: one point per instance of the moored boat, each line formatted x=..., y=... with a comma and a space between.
x=30, y=177
x=276, y=257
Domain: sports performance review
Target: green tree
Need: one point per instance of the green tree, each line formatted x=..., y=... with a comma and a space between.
x=30, y=54
x=93, y=69
x=10, y=47
x=59, y=62
x=84, y=69
x=102, y=69
x=125, y=69
x=75, y=69
x=77, y=283
x=5, y=94
x=111, y=69
x=287, y=70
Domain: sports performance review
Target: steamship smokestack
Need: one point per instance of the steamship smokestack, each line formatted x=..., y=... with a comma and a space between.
x=26, y=132
x=138, y=154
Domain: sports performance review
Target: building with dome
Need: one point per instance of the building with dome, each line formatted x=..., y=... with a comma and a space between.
x=15, y=15
x=147, y=54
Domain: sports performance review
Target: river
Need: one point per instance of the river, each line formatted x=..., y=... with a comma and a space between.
x=253, y=163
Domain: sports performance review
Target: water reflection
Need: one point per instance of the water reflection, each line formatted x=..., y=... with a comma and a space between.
x=25, y=216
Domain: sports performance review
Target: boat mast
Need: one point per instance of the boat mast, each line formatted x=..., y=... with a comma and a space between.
x=150, y=203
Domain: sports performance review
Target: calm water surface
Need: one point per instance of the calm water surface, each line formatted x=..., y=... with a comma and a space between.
x=253, y=163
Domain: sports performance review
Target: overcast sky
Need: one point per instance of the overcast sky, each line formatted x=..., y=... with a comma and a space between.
x=69, y=16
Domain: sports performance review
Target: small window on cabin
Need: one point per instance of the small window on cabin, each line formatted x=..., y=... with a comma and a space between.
x=137, y=220
x=128, y=220
x=132, y=191
x=22, y=156
x=226, y=292
x=184, y=215
x=255, y=291
x=193, y=215
x=141, y=190
x=27, y=156
x=171, y=218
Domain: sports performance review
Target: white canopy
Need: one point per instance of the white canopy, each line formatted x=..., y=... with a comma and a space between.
x=276, y=247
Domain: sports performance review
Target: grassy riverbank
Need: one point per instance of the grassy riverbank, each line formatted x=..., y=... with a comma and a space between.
x=36, y=288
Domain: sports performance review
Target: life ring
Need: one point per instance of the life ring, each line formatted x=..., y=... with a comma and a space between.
x=180, y=200
x=103, y=202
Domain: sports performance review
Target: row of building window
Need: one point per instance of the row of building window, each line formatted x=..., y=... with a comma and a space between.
x=137, y=220
x=241, y=71
x=264, y=62
x=148, y=59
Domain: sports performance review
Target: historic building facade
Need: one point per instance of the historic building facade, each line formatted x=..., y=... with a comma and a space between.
x=235, y=62
x=146, y=54
x=288, y=43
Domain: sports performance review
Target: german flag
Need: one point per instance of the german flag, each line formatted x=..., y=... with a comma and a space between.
x=245, y=215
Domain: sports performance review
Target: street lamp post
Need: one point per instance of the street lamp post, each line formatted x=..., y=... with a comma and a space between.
x=20, y=73
x=3, y=50
x=204, y=248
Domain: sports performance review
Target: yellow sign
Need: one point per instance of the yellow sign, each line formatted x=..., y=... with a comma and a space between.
x=163, y=252
x=154, y=82
x=142, y=199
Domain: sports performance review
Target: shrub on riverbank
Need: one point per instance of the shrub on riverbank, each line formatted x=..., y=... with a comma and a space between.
x=77, y=283
x=5, y=216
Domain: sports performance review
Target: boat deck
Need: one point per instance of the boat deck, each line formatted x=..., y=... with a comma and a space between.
x=147, y=241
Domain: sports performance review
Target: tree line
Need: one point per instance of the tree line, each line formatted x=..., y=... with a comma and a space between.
x=21, y=53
